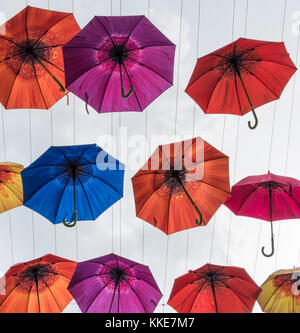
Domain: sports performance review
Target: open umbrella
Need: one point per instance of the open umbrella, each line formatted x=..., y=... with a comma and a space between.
x=31, y=59
x=267, y=197
x=11, y=189
x=113, y=284
x=181, y=183
x=281, y=292
x=240, y=77
x=38, y=286
x=214, y=289
x=119, y=63
x=71, y=183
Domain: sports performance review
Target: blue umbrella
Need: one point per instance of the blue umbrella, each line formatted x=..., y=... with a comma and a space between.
x=72, y=183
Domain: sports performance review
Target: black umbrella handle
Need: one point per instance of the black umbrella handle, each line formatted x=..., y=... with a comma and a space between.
x=122, y=85
x=71, y=225
x=198, y=222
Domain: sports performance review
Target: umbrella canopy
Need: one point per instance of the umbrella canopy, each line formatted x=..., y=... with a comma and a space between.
x=267, y=197
x=71, y=183
x=280, y=292
x=240, y=77
x=119, y=63
x=31, y=59
x=214, y=289
x=11, y=189
x=113, y=284
x=180, y=183
x=38, y=286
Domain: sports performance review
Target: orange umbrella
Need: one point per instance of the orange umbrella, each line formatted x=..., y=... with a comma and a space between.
x=31, y=59
x=11, y=188
x=38, y=286
x=180, y=183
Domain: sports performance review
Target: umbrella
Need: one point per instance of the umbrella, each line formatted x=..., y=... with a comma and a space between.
x=38, y=286
x=31, y=60
x=71, y=183
x=214, y=289
x=119, y=63
x=267, y=197
x=280, y=292
x=113, y=284
x=240, y=77
x=11, y=190
x=181, y=183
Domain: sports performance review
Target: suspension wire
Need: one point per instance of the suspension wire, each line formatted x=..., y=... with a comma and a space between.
x=236, y=151
x=270, y=155
x=223, y=137
x=146, y=135
x=175, y=127
x=194, y=121
x=9, y=212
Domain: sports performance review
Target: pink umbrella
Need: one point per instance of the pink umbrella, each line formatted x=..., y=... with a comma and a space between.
x=119, y=63
x=267, y=197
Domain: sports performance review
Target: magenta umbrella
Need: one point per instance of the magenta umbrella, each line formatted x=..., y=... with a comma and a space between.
x=113, y=284
x=267, y=197
x=119, y=63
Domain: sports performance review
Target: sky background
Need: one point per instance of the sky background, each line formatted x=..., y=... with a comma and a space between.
x=197, y=27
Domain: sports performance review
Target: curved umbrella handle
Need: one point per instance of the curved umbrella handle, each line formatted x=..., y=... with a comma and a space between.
x=255, y=119
x=122, y=85
x=272, y=252
x=70, y=225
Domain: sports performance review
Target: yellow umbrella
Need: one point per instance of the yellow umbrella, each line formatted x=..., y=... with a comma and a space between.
x=11, y=188
x=281, y=292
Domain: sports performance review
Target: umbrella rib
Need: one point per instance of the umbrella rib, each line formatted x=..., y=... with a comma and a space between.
x=214, y=89
x=12, y=87
x=50, y=63
x=9, y=40
x=45, y=33
x=64, y=155
x=49, y=181
x=154, y=172
x=258, y=79
x=190, y=294
x=128, y=36
x=278, y=63
x=104, y=182
x=106, y=85
x=148, y=46
x=37, y=80
x=129, y=78
x=93, y=300
x=273, y=293
x=150, y=69
x=27, y=306
x=136, y=295
x=1, y=181
x=103, y=27
x=59, y=202
x=52, y=295
x=87, y=198
x=247, y=197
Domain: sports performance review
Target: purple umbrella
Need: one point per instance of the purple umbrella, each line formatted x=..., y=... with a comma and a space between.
x=113, y=284
x=119, y=63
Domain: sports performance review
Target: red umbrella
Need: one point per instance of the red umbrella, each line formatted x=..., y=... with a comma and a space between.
x=241, y=76
x=214, y=289
x=267, y=197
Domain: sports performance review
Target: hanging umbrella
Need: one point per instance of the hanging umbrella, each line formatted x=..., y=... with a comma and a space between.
x=38, y=286
x=71, y=183
x=181, y=183
x=241, y=76
x=214, y=289
x=267, y=197
x=113, y=284
x=119, y=63
x=280, y=292
x=31, y=59
x=11, y=190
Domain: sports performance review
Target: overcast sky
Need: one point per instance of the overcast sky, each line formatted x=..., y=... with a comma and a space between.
x=196, y=27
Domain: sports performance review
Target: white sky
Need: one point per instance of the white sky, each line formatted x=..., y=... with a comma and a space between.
x=227, y=239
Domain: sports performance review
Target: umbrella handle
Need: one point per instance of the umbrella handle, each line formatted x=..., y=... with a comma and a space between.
x=272, y=235
x=272, y=252
x=70, y=225
x=255, y=119
x=122, y=85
